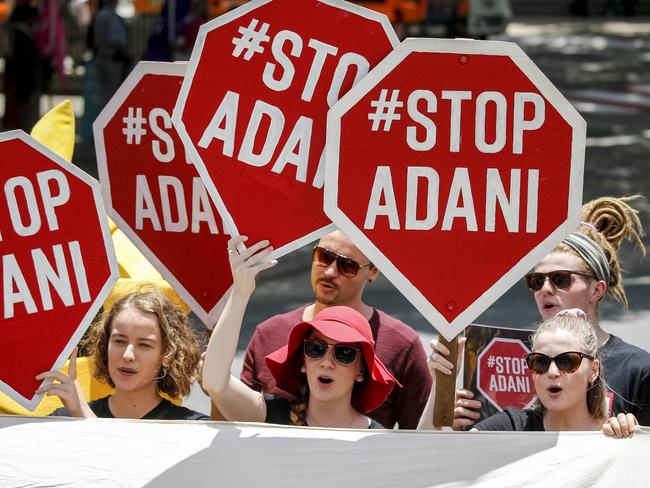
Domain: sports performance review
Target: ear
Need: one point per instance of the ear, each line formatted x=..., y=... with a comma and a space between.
x=599, y=291
x=373, y=274
x=595, y=370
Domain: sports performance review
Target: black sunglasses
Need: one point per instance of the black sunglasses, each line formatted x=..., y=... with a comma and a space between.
x=560, y=279
x=567, y=362
x=347, y=267
x=343, y=354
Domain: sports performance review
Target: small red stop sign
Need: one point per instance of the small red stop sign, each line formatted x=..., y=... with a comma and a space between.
x=503, y=375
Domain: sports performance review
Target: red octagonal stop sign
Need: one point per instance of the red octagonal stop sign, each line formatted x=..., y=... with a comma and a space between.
x=455, y=166
x=154, y=195
x=503, y=375
x=58, y=263
x=252, y=108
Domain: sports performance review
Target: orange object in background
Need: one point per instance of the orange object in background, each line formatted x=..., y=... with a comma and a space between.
x=148, y=6
x=410, y=11
x=218, y=7
x=4, y=11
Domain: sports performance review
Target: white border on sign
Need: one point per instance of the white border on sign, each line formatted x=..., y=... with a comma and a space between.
x=208, y=317
x=191, y=151
x=31, y=404
x=574, y=198
x=478, y=371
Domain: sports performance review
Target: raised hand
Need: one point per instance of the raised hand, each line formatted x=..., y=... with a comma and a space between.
x=67, y=389
x=245, y=266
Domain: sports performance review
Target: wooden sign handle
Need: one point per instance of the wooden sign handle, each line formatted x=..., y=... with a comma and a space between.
x=443, y=412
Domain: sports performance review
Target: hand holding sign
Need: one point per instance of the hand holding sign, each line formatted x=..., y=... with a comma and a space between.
x=66, y=388
x=464, y=413
x=454, y=166
x=58, y=263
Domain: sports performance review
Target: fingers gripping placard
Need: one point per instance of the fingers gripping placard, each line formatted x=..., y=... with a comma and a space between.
x=58, y=263
x=252, y=109
x=455, y=166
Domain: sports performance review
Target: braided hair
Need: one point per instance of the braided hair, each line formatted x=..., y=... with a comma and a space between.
x=609, y=221
x=298, y=410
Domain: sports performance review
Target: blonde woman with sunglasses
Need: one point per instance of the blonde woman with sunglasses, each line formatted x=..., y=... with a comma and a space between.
x=568, y=381
x=579, y=273
x=328, y=365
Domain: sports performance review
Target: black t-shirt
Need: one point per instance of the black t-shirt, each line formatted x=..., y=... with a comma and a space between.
x=513, y=419
x=626, y=369
x=165, y=410
x=278, y=409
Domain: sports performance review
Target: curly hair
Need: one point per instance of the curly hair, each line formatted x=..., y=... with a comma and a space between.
x=584, y=333
x=613, y=221
x=181, y=353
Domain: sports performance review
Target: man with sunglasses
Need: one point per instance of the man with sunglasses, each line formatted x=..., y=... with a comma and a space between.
x=339, y=275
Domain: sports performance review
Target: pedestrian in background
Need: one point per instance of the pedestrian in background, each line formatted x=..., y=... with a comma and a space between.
x=22, y=77
x=110, y=41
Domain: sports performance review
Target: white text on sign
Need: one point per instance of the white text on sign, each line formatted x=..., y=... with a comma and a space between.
x=24, y=204
x=386, y=111
x=168, y=188
x=278, y=75
x=461, y=202
x=460, y=206
x=510, y=375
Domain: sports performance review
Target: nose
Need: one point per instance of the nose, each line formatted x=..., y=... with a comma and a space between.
x=547, y=287
x=553, y=371
x=328, y=360
x=129, y=353
x=331, y=270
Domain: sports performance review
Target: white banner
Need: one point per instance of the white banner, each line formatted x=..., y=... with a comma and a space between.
x=40, y=452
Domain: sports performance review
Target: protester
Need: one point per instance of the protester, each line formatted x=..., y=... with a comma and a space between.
x=328, y=363
x=110, y=42
x=578, y=273
x=143, y=347
x=568, y=381
x=339, y=275
x=22, y=76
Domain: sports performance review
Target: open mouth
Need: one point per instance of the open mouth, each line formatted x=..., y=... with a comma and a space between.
x=325, y=380
x=555, y=389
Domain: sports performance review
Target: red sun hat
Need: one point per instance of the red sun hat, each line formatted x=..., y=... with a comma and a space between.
x=341, y=324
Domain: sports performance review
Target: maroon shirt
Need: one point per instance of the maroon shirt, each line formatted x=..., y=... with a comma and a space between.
x=396, y=345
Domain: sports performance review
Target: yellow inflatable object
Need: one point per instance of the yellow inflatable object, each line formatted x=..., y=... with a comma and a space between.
x=91, y=388
x=55, y=130
x=136, y=273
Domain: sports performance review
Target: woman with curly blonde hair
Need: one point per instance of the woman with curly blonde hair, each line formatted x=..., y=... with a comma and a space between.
x=143, y=347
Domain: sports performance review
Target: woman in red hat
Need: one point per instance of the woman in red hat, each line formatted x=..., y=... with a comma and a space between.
x=329, y=364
